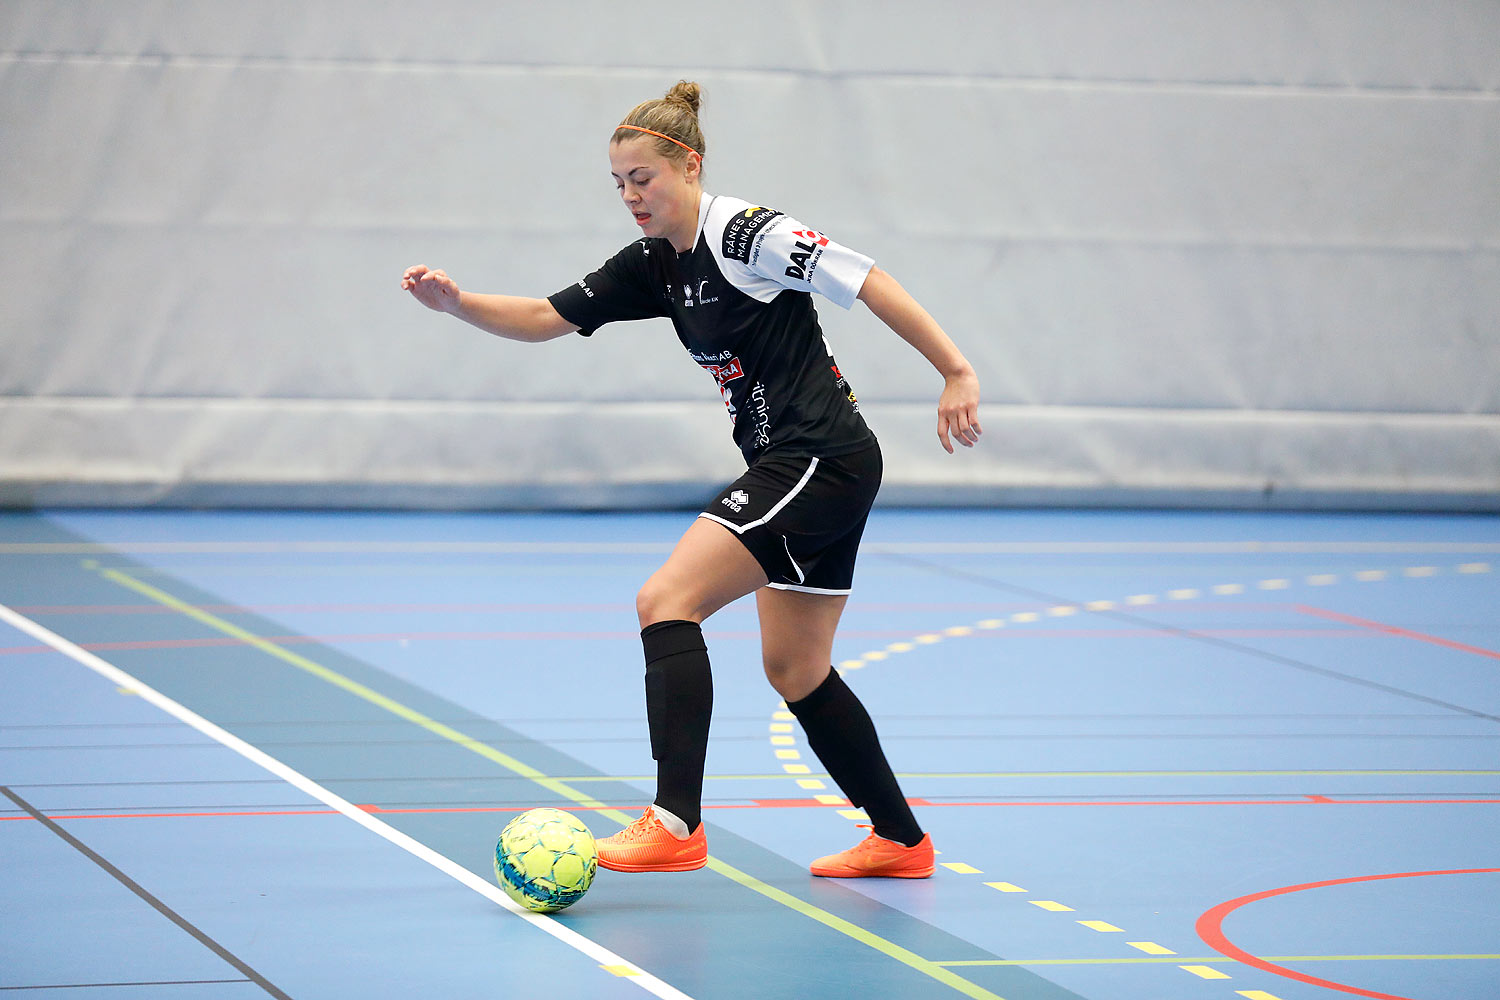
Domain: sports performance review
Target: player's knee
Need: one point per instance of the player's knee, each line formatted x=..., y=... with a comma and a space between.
x=658, y=602
x=794, y=678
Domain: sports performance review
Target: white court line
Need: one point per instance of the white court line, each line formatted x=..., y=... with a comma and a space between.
x=603, y=956
x=636, y=548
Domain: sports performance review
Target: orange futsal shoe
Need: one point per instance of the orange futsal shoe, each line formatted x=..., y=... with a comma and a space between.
x=647, y=846
x=876, y=857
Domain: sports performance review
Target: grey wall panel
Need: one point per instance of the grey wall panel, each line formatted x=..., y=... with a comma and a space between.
x=1189, y=246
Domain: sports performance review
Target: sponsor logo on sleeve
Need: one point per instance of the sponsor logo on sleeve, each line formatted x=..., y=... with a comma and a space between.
x=740, y=233
x=806, y=253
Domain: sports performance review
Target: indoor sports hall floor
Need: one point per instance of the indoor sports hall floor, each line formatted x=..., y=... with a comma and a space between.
x=1163, y=755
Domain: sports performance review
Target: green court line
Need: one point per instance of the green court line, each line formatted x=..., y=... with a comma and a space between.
x=1090, y=774
x=554, y=785
x=1183, y=960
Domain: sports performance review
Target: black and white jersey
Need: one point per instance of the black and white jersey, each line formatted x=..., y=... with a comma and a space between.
x=741, y=302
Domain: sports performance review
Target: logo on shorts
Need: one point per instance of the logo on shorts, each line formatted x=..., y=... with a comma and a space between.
x=736, y=501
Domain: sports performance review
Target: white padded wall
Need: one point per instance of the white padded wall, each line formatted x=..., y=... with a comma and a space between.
x=1200, y=251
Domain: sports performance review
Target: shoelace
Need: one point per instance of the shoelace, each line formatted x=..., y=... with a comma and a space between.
x=640, y=828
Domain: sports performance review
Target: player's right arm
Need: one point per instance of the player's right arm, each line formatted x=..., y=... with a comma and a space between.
x=510, y=316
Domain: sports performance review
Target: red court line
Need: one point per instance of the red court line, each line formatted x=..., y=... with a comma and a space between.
x=881, y=635
x=1307, y=800
x=34, y=610
x=1210, y=928
x=853, y=608
x=1404, y=633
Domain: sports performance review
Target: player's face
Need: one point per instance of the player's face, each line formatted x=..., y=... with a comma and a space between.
x=660, y=194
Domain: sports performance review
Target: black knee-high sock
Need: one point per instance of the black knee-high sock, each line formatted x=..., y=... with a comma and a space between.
x=679, y=704
x=841, y=733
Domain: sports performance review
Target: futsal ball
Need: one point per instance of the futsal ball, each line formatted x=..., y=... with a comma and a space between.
x=545, y=859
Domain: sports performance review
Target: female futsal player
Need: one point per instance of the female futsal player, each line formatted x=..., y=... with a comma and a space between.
x=737, y=281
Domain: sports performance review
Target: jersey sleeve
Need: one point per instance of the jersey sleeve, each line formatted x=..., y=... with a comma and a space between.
x=621, y=289
x=796, y=256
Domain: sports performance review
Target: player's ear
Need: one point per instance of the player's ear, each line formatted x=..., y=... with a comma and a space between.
x=692, y=166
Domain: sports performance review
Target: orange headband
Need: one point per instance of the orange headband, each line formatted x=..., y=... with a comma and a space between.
x=659, y=135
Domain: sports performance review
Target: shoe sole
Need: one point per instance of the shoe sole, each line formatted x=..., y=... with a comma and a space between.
x=671, y=866
x=852, y=873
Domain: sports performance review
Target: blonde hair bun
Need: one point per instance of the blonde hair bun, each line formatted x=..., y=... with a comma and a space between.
x=688, y=92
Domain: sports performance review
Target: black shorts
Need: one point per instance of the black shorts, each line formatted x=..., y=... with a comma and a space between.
x=802, y=517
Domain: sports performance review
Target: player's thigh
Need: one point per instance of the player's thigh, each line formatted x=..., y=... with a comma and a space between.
x=708, y=569
x=796, y=637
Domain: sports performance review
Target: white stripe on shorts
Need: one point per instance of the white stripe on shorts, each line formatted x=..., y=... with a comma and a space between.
x=806, y=590
x=740, y=529
x=801, y=577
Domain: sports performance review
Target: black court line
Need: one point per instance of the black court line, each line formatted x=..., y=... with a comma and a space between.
x=1183, y=633
x=250, y=974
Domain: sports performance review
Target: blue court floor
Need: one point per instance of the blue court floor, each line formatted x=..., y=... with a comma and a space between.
x=1163, y=755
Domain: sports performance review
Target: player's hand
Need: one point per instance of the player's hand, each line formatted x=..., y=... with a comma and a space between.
x=958, y=411
x=434, y=289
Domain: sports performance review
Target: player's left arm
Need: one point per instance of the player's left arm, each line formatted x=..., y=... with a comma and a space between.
x=958, y=407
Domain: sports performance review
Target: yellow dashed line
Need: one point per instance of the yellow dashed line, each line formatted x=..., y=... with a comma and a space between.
x=1204, y=972
x=1257, y=995
x=1102, y=926
x=1026, y=617
x=1150, y=948
x=781, y=727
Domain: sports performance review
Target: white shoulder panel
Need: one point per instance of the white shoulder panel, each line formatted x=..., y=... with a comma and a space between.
x=763, y=252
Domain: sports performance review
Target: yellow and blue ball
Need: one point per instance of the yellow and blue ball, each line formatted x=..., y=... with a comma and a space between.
x=545, y=859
